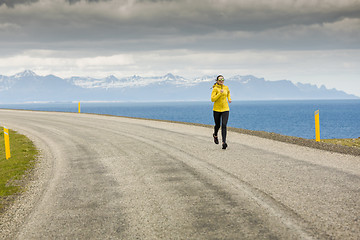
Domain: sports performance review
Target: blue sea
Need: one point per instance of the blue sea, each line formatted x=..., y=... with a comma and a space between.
x=338, y=118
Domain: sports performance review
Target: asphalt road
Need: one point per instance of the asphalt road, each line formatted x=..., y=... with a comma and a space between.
x=104, y=177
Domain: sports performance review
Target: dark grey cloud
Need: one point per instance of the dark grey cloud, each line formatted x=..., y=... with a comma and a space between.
x=12, y=3
x=198, y=25
x=90, y=1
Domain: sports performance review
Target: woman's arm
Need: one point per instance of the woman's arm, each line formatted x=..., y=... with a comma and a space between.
x=228, y=96
x=215, y=95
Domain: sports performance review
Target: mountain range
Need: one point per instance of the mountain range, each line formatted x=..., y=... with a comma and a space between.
x=27, y=86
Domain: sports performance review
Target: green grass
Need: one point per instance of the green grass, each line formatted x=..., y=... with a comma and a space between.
x=350, y=142
x=15, y=171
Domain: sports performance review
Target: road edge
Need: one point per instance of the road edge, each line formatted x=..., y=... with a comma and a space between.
x=262, y=134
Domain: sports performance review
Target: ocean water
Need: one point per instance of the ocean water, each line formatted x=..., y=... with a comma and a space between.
x=338, y=118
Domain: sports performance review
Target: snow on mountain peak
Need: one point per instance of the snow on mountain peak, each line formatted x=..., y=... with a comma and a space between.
x=111, y=77
x=26, y=73
x=169, y=76
x=174, y=79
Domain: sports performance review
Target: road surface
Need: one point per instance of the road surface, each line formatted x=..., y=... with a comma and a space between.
x=107, y=177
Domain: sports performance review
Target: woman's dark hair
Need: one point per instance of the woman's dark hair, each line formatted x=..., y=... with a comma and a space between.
x=217, y=78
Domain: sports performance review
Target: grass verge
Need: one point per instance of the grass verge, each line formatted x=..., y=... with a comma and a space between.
x=350, y=142
x=15, y=172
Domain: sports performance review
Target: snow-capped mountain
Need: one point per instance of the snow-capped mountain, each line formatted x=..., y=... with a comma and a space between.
x=133, y=81
x=25, y=74
x=28, y=86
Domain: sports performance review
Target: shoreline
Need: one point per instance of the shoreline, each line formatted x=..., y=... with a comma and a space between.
x=311, y=143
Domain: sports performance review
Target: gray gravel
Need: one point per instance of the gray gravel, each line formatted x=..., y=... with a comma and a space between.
x=106, y=177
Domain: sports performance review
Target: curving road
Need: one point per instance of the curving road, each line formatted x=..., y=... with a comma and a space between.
x=105, y=177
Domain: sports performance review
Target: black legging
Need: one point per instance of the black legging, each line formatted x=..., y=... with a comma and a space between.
x=223, y=118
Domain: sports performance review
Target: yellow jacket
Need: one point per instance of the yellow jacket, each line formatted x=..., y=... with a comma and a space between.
x=220, y=99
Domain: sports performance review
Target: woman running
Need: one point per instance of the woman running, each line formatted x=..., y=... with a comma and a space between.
x=220, y=96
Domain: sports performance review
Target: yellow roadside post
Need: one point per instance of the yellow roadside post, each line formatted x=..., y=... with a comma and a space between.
x=7, y=143
x=79, y=107
x=317, y=126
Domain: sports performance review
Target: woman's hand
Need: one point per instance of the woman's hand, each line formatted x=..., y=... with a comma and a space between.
x=230, y=101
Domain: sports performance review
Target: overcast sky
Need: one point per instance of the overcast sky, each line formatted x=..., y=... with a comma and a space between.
x=308, y=41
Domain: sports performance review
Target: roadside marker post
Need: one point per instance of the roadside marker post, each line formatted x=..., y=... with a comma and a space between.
x=317, y=126
x=79, y=107
x=7, y=143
